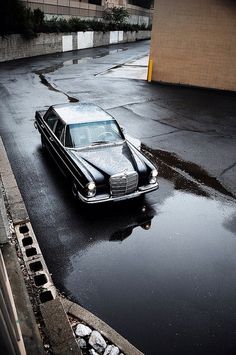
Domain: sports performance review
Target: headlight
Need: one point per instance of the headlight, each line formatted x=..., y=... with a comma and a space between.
x=153, y=176
x=91, y=189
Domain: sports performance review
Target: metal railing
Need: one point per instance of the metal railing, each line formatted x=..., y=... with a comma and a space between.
x=11, y=337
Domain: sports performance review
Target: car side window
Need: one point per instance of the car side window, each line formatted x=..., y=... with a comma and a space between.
x=59, y=131
x=51, y=119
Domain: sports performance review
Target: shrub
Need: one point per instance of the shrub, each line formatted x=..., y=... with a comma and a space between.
x=16, y=18
x=115, y=15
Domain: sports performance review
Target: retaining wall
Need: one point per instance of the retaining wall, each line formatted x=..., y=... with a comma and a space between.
x=15, y=47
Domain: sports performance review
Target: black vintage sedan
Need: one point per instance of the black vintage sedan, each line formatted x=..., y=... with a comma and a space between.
x=91, y=150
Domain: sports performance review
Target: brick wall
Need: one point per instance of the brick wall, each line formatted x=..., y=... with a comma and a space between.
x=194, y=43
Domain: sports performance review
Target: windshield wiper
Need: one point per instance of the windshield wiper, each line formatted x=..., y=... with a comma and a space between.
x=100, y=142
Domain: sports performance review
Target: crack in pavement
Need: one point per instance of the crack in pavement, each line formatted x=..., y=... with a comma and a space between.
x=170, y=125
x=160, y=135
x=45, y=82
x=132, y=103
x=227, y=169
x=185, y=129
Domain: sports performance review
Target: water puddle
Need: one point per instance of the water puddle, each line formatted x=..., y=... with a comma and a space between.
x=160, y=271
x=168, y=269
x=199, y=174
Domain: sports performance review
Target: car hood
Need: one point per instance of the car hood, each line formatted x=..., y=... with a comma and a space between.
x=110, y=160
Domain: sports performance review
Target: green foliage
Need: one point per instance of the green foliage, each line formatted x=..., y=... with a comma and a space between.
x=16, y=18
x=115, y=15
x=75, y=24
x=38, y=20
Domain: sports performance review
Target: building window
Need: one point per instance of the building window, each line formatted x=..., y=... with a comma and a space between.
x=95, y=2
x=142, y=3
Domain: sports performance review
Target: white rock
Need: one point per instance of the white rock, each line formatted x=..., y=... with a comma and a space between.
x=97, y=342
x=93, y=352
x=82, y=343
x=82, y=330
x=111, y=350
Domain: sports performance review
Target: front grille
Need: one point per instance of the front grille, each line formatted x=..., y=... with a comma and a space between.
x=124, y=183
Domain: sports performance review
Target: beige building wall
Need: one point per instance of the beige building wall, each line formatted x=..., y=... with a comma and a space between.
x=194, y=43
x=70, y=8
x=66, y=8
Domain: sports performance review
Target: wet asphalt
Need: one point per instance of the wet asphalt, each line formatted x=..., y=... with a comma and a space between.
x=161, y=271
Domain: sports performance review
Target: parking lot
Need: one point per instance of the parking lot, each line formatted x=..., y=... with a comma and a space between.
x=160, y=271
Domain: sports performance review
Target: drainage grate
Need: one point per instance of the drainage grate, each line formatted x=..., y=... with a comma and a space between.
x=27, y=241
x=23, y=229
x=40, y=280
x=46, y=296
x=30, y=252
x=36, y=266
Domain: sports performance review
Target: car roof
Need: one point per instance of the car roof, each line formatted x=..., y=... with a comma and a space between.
x=81, y=112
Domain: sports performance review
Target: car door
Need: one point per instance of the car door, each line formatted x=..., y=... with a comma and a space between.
x=47, y=130
x=59, y=146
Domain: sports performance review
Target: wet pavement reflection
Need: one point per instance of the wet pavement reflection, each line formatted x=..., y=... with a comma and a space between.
x=168, y=283
x=161, y=271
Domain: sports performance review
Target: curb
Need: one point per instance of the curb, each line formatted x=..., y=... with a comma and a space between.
x=53, y=309
x=59, y=333
x=90, y=319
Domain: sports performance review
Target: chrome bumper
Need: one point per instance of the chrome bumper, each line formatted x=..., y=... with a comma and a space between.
x=106, y=198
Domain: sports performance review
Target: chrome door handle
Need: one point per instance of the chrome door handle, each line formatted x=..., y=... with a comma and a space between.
x=42, y=125
x=51, y=139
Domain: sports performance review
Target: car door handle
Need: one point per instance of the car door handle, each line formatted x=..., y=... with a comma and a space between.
x=42, y=125
x=51, y=139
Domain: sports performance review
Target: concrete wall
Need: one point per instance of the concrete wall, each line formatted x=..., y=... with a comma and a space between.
x=14, y=47
x=194, y=43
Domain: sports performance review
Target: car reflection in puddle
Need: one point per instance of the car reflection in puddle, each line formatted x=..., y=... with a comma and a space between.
x=169, y=287
x=170, y=280
x=115, y=222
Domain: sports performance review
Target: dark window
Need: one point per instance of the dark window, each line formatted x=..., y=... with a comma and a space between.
x=142, y=3
x=51, y=119
x=95, y=2
x=59, y=131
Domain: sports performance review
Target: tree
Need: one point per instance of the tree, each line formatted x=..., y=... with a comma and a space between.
x=115, y=15
x=16, y=18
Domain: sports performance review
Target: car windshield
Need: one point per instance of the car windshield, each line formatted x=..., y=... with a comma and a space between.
x=92, y=133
